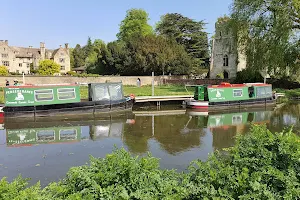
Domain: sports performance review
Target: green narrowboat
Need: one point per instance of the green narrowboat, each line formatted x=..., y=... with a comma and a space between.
x=63, y=99
x=228, y=95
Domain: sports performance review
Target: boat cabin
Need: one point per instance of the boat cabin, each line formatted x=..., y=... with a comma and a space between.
x=36, y=95
x=232, y=92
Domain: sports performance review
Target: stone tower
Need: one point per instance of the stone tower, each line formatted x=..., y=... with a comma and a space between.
x=226, y=58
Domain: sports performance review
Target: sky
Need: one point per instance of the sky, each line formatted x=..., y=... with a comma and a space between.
x=56, y=22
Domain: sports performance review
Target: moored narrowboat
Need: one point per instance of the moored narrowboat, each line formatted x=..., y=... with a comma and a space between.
x=228, y=95
x=63, y=99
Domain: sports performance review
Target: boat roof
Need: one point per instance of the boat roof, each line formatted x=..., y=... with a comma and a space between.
x=40, y=85
x=229, y=85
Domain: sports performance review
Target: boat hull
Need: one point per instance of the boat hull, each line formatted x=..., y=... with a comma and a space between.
x=206, y=105
x=80, y=109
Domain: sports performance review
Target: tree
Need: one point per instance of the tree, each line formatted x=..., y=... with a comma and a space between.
x=3, y=71
x=187, y=32
x=78, y=55
x=88, y=48
x=71, y=58
x=48, y=67
x=266, y=31
x=135, y=24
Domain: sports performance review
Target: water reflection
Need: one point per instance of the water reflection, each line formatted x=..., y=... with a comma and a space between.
x=45, y=149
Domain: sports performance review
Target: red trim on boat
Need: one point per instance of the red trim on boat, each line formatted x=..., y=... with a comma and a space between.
x=200, y=107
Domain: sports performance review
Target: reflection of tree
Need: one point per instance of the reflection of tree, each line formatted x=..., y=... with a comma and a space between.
x=173, y=134
x=170, y=131
x=284, y=117
x=136, y=136
x=223, y=137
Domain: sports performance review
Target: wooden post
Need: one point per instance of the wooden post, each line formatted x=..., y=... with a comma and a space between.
x=152, y=83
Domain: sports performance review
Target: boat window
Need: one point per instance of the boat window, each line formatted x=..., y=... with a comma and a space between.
x=238, y=93
x=43, y=95
x=237, y=119
x=68, y=134
x=66, y=93
x=45, y=135
x=116, y=92
x=269, y=91
x=101, y=93
x=260, y=92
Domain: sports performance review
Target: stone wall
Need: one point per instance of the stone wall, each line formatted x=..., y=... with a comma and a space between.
x=126, y=80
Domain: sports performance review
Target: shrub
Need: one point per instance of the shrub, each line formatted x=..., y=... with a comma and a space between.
x=3, y=71
x=248, y=76
x=71, y=73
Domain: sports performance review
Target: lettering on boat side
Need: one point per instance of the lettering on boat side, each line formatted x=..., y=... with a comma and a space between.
x=217, y=94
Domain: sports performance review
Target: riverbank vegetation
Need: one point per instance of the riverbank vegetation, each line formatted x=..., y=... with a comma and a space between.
x=261, y=165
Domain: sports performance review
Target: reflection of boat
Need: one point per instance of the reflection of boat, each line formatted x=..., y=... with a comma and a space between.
x=42, y=132
x=231, y=119
x=226, y=95
x=31, y=136
x=63, y=99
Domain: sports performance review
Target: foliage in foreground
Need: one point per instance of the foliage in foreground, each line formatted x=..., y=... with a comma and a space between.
x=261, y=165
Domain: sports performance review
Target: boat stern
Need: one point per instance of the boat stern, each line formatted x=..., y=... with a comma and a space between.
x=197, y=104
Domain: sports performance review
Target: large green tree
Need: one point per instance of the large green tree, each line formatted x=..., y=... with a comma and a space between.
x=187, y=32
x=79, y=57
x=135, y=24
x=267, y=33
x=48, y=67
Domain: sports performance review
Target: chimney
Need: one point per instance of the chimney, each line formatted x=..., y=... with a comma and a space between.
x=59, y=46
x=43, y=50
x=30, y=47
x=6, y=42
x=67, y=45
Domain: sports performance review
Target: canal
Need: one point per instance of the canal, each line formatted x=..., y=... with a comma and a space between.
x=45, y=149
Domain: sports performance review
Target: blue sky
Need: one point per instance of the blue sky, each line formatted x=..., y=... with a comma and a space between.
x=55, y=22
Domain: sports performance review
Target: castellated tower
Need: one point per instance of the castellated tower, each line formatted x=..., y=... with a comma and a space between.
x=227, y=58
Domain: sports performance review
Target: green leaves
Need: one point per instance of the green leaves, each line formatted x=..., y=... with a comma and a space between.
x=135, y=24
x=48, y=67
x=3, y=71
x=261, y=165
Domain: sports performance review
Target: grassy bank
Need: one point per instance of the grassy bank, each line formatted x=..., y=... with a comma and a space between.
x=261, y=165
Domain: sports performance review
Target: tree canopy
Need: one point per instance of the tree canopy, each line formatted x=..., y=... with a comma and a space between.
x=3, y=71
x=48, y=67
x=135, y=24
x=267, y=31
x=187, y=32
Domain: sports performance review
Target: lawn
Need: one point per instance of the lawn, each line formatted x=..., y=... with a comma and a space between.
x=137, y=91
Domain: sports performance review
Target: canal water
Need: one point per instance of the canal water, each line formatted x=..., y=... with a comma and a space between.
x=44, y=149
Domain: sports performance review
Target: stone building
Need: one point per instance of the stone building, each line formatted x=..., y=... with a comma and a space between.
x=19, y=59
x=226, y=58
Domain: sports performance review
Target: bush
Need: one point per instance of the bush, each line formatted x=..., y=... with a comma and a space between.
x=261, y=165
x=71, y=73
x=3, y=71
x=248, y=76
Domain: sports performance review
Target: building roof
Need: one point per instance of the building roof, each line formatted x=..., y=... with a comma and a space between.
x=23, y=52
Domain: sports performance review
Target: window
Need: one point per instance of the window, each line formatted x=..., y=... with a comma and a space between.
x=225, y=61
x=62, y=68
x=28, y=65
x=66, y=93
x=115, y=92
x=5, y=63
x=69, y=134
x=43, y=95
x=45, y=135
x=220, y=33
x=62, y=60
x=62, y=54
x=237, y=119
x=4, y=55
x=260, y=92
x=238, y=93
x=20, y=64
